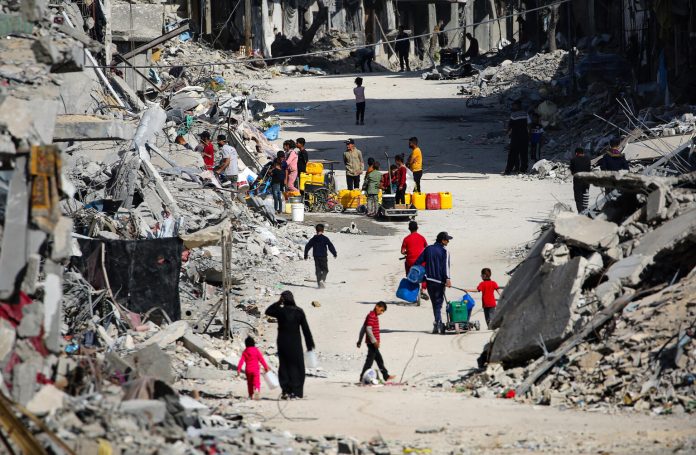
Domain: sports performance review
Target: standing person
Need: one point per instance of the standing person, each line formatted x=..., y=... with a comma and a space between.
x=371, y=188
x=412, y=246
x=415, y=162
x=353, y=159
x=388, y=182
x=581, y=191
x=437, y=275
x=291, y=369
x=228, y=169
x=319, y=244
x=252, y=357
x=302, y=155
x=536, y=137
x=613, y=159
x=370, y=330
x=359, y=92
x=207, y=151
x=434, y=46
x=277, y=182
x=473, y=50
x=400, y=180
x=487, y=288
x=403, y=48
x=519, y=140
x=291, y=159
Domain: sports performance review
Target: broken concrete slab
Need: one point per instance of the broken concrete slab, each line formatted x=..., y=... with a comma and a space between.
x=193, y=406
x=168, y=335
x=628, y=269
x=48, y=399
x=543, y=317
x=34, y=10
x=24, y=383
x=668, y=235
x=197, y=344
x=7, y=339
x=654, y=148
x=79, y=127
x=62, y=55
x=519, y=286
x=32, y=320
x=656, y=205
x=608, y=291
x=33, y=120
x=632, y=183
x=136, y=22
x=153, y=410
x=152, y=361
x=14, y=240
x=585, y=232
x=53, y=294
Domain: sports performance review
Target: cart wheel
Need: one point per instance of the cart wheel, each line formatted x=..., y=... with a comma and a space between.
x=338, y=208
x=477, y=325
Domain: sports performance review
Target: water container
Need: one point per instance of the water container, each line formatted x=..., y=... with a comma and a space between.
x=287, y=208
x=445, y=201
x=418, y=200
x=432, y=201
x=318, y=179
x=407, y=198
x=315, y=168
x=408, y=291
x=388, y=201
x=271, y=380
x=297, y=212
x=416, y=274
x=311, y=360
x=458, y=312
x=304, y=178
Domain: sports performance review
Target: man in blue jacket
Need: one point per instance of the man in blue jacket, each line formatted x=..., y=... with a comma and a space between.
x=437, y=275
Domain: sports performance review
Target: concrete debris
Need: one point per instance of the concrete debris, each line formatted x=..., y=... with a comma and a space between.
x=641, y=353
x=47, y=400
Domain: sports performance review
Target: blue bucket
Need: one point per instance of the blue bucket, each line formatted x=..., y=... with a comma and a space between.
x=416, y=274
x=408, y=291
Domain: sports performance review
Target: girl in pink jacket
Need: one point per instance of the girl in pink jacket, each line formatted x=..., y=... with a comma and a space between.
x=291, y=158
x=252, y=357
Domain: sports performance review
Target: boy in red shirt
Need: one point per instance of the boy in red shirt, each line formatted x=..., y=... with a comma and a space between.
x=252, y=357
x=370, y=330
x=487, y=288
x=412, y=246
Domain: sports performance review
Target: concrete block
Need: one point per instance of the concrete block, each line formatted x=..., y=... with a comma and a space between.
x=14, y=239
x=168, y=335
x=7, y=339
x=53, y=294
x=656, y=206
x=669, y=235
x=190, y=405
x=584, y=232
x=628, y=270
x=47, y=399
x=153, y=410
x=33, y=120
x=64, y=56
x=34, y=10
x=195, y=343
x=78, y=127
x=31, y=274
x=136, y=22
x=32, y=320
x=114, y=364
x=210, y=374
x=608, y=291
x=24, y=384
x=62, y=239
x=543, y=316
x=152, y=361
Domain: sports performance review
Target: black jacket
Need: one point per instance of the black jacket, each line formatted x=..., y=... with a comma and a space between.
x=319, y=244
x=613, y=162
x=580, y=164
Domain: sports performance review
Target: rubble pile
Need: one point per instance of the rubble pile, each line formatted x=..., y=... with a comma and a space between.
x=601, y=312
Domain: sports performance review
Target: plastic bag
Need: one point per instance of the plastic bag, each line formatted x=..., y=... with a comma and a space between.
x=370, y=377
x=271, y=380
x=311, y=360
x=272, y=132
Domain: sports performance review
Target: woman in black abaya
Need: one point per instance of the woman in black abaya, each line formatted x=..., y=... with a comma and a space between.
x=291, y=318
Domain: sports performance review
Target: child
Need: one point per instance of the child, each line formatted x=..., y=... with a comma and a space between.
x=252, y=357
x=319, y=245
x=536, y=135
x=370, y=329
x=277, y=180
x=487, y=288
x=371, y=188
x=359, y=92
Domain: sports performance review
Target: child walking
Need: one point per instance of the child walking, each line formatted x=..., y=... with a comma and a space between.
x=277, y=181
x=370, y=330
x=252, y=357
x=359, y=92
x=487, y=288
x=319, y=244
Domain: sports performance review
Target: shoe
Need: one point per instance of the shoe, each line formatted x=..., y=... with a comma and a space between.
x=284, y=397
x=389, y=378
x=435, y=329
x=257, y=396
x=442, y=329
x=321, y=285
x=424, y=296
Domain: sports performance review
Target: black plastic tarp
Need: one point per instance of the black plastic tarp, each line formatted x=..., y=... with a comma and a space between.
x=143, y=274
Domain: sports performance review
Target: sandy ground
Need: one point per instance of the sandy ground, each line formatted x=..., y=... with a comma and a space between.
x=492, y=215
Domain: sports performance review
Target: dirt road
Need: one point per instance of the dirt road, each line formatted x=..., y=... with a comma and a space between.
x=492, y=215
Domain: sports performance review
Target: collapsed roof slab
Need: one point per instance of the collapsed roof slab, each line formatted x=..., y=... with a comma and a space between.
x=77, y=127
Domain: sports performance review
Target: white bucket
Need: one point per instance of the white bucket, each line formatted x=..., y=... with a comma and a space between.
x=298, y=212
x=311, y=360
x=271, y=380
